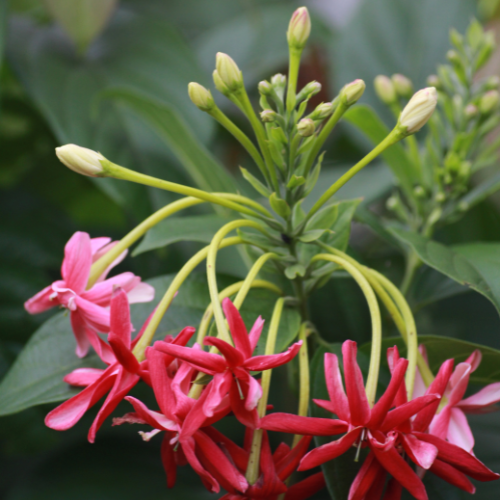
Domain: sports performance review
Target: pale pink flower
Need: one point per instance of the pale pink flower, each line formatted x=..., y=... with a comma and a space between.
x=89, y=309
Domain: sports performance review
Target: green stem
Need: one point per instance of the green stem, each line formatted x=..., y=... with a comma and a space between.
x=211, y=272
x=413, y=262
x=241, y=137
x=165, y=302
x=113, y=170
x=372, y=379
x=391, y=139
x=323, y=135
x=252, y=473
x=293, y=73
x=304, y=390
x=106, y=260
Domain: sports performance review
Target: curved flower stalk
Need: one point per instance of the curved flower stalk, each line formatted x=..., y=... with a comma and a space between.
x=123, y=372
x=88, y=307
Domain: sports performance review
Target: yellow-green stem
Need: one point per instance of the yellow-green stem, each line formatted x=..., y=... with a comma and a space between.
x=228, y=292
x=252, y=473
x=241, y=137
x=162, y=307
x=372, y=379
x=293, y=73
x=391, y=139
x=211, y=272
x=113, y=170
x=323, y=135
x=304, y=378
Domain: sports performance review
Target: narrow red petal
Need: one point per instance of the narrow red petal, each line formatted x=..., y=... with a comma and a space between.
x=453, y=476
x=267, y=362
x=237, y=328
x=305, y=426
x=75, y=267
x=168, y=460
x=402, y=413
x=161, y=382
x=233, y=357
x=365, y=478
x=422, y=453
x=335, y=387
x=306, y=488
x=120, y=326
x=188, y=447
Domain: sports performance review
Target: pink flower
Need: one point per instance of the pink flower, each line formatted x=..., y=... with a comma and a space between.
x=231, y=371
x=181, y=418
x=123, y=372
x=88, y=308
x=451, y=423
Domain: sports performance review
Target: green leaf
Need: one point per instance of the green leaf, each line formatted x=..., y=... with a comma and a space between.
x=365, y=118
x=200, y=228
x=439, y=349
x=256, y=184
x=324, y=219
x=279, y=205
x=204, y=169
x=295, y=181
x=454, y=264
x=291, y=272
x=342, y=226
x=310, y=236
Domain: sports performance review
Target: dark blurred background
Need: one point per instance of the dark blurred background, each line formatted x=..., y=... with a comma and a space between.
x=57, y=58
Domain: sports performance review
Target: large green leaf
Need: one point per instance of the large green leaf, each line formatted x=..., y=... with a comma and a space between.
x=36, y=376
x=205, y=170
x=191, y=228
x=396, y=36
x=367, y=120
x=137, y=51
x=454, y=264
x=439, y=349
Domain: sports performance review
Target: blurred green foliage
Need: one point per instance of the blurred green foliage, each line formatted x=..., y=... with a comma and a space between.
x=51, y=94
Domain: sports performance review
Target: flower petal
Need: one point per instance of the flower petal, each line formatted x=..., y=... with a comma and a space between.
x=41, y=301
x=77, y=261
x=402, y=413
x=188, y=447
x=158, y=363
x=247, y=418
x=83, y=376
x=474, y=360
x=142, y=292
x=482, y=400
x=233, y=356
x=459, y=432
x=254, y=393
x=120, y=326
x=81, y=333
x=306, y=488
x=237, y=328
x=216, y=390
x=365, y=478
x=392, y=360
x=153, y=418
x=255, y=333
x=168, y=460
x=266, y=362
x=458, y=382
x=453, y=476
x=422, y=453
x=95, y=316
x=329, y=451
x=305, y=426
x=356, y=395
x=335, y=387
x=102, y=292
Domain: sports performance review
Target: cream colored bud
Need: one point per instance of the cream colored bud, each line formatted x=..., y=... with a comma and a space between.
x=81, y=160
x=322, y=111
x=384, y=88
x=489, y=101
x=265, y=87
x=268, y=116
x=470, y=111
x=201, y=96
x=228, y=71
x=492, y=83
x=299, y=28
x=418, y=110
x=433, y=81
x=278, y=80
x=402, y=85
x=306, y=127
x=219, y=84
x=312, y=88
x=352, y=91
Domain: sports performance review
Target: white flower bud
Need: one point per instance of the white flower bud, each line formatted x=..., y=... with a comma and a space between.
x=353, y=91
x=306, y=127
x=299, y=28
x=278, y=80
x=402, y=85
x=489, y=101
x=265, y=87
x=433, y=81
x=81, y=160
x=268, y=116
x=219, y=84
x=228, y=71
x=418, y=110
x=322, y=111
x=201, y=96
x=384, y=88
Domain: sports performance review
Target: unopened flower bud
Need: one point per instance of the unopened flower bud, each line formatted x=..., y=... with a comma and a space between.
x=228, y=71
x=312, y=88
x=419, y=191
x=322, y=111
x=219, y=84
x=433, y=81
x=418, y=110
x=278, y=80
x=265, y=87
x=353, y=91
x=488, y=102
x=492, y=83
x=440, y=197
x=402, y=85
x=305, y=127
x=81, y=160
x=299, y=28
x=384, y=88
x=470, y=111
x=268, y=116
x=201, y=96
x=453, y=57
x=391, y=203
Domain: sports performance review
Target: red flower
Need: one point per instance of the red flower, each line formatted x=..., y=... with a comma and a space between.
x=87, y=308
x=123, y=372
x=231, y=371
x=275, y=469
x=181, y=419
